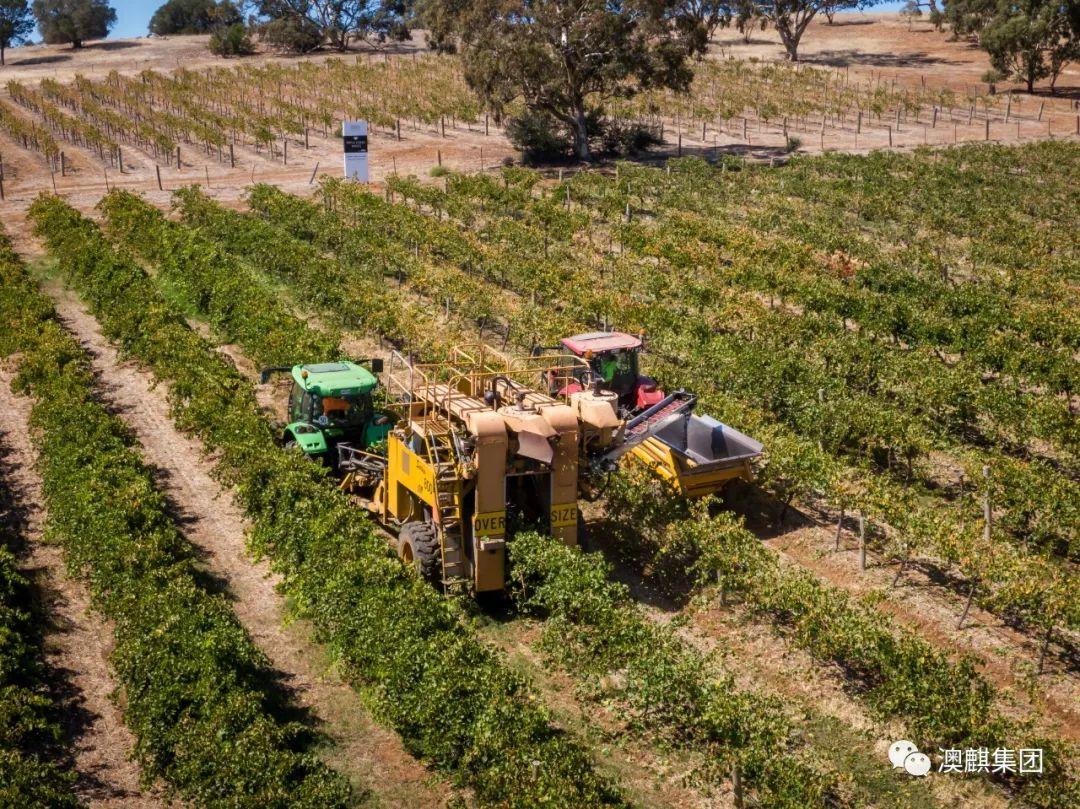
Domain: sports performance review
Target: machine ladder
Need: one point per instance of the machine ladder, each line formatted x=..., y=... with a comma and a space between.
x=442, y=457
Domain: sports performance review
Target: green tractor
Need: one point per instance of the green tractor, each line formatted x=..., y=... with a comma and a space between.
x=332, y=414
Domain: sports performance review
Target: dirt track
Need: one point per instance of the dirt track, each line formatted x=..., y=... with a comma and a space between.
x=371, y=756
x=77, y=642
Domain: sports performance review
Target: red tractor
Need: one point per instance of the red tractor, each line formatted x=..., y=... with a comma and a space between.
x=697, y=454
x=612, y=356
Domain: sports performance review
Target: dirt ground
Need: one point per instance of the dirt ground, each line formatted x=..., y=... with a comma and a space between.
x=371, y=756
x=861, y=46
x=77, y=642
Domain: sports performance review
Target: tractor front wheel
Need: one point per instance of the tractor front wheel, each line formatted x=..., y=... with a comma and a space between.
x=418, y=546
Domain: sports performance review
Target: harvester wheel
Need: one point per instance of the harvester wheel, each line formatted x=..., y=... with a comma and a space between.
x=418, y=545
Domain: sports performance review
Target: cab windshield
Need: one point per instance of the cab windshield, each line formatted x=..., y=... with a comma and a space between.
x=618, y=369
x=344, y=410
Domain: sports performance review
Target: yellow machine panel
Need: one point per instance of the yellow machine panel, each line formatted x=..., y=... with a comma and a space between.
x=689, y=478
x=490, y=524
x=408, y=478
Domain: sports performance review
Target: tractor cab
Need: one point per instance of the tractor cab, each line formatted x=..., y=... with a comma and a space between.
x=612, y=357
x=331, y=404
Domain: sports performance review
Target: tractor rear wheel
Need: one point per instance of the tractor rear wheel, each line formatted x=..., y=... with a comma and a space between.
x=418, y=546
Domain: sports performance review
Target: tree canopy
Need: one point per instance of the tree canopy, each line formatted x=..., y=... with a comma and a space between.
x=340, y=22
x=564, y=59
x=791, y=18
x=193, y=17
x=15, y=24
x=73, y=21
x=1028, y=40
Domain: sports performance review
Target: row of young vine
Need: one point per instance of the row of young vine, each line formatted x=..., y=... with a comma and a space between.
x=451, y=699
x=195, y=687
x=29, y=726
x=899, y=674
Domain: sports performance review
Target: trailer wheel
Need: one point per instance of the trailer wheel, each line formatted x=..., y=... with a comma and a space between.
x=418, y=546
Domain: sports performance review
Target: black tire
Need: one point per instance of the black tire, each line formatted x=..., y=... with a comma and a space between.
x=418, y=545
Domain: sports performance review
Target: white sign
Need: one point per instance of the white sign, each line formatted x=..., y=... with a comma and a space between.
x=354, y=135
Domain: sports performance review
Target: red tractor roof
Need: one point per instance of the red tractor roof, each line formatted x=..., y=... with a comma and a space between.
x=600, y=342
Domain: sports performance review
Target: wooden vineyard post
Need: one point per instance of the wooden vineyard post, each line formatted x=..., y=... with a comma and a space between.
x=438, y=157
x=481, y=159
x=839, y=527
x=397, y=127
x=862, y=542
x=232, y=157
x=1042, y=106
x=680, y=145
x=890, y=136
x=285, y=152
x=744, y=135
x=1045, y=649
x=858, y=125
x=736, y=785
x=120, y=159
x=1, y=178
x=52, y=173
x=207, y=170
x=307, y=142
x=967, y=604
x=900, y=572
x=987, y=133
x=157, y=169
x=486, y=118
x=178, y=158
x=933, y=121
x=63, y=165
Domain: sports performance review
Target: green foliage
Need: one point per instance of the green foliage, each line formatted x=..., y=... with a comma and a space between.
x=210, y=280
x=1033, y=39
x=451, y=699
x=594, y=628
x=232, y=40
x=193, y=683
x=16, y=24
x=505, y=48
x=73, y=21
x=291, y=34
x=28, y=716
x=339, y=22
x=898, y=674
x=193, y=17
